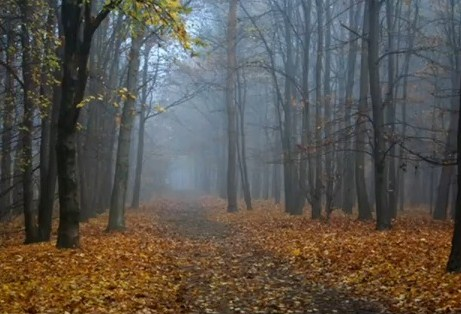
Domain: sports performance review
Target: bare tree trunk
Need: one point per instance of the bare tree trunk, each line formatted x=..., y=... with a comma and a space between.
x=383, y=217
x=305, y=167
x=317, y=195
x=27, y=126
x=454, y=260
x=441, y=205
x=290, y=169
x=390, y=109
x=329, y=148
x=361, y=186
x=242, y=149
x=348, y=173
x=276, y=173
x=7, y=131
x=231, y=107
x=406, y=67
x=48, y=181
x=142, y=127
x=78, y=35
x=118, y=198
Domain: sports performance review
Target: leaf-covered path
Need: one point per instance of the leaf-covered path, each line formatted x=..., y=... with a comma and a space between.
x=225, y=272
x=190, y=256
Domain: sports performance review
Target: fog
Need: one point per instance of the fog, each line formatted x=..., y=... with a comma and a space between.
x=186, y=146
x=317, y=105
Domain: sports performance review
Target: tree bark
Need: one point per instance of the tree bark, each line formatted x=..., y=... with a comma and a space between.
x=241, y=149
x=383, y=217
x=27, y=127
x=48, y=144
x=389, y=103
x=317, y=194
x=78, y=34
x=361, y=186
x=454, y=260
x=306, y=166
x=117, y=206
x=142, y=127
x=348, y=196
x=328, y=118
x=231, y=107
x=7, y=132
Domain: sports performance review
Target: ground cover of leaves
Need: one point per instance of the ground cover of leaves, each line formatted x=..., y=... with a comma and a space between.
x=193, y=257
x=404, y=268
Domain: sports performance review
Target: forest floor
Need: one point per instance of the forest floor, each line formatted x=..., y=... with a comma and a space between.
x=190, y=256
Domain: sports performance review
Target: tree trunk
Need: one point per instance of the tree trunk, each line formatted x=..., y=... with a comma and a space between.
x=242, y=148
x=383, y=217
x=142, y=128
x=117, y=206
x=231, y=107
x=361, y=128
x=27, y=125
x=401, y=190
x=329, y=146
x=454, y=260
x=305, y=166
x=78, y=34
x=48, y=144
x=348, y=173
x=7, y=132
x=389, y=103
x=317, y=196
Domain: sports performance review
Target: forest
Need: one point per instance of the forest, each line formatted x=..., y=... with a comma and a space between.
x=230, y=156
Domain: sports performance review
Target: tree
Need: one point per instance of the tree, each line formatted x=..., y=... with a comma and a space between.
x=27, y=127
x=78, y=28
x=383, y=217
x=117, y=204
x=360, y=127
x=142, y=126
x=231, y=107
x=454, y=260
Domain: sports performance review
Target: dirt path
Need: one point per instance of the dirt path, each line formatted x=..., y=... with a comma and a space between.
x=226, y=273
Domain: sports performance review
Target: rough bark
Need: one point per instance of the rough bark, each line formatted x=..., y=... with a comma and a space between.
x=241, y=144
x=231, y=107
x=7, y=132
x=305, y=166
x=27, y=128
x=454, y=260
x=118, y=198
x=383, y=217
x=48, y=152
x=389, y=103
x=348, y=196
x=317, y=196
x=328, y=118
x=141, y=132
x=78, y=34
x=363, y=203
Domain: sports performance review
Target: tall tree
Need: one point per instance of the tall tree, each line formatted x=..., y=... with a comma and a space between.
x=117, y=205
x=27, y=126
x=48, y=156
x=317, y=195
x=360, y=127
x=383, y=217
x=78, y=29
x=348, y=195
x=231, y=107
x=454, y=260
x=389, y=101
x=142, y=125
x=7, y=133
